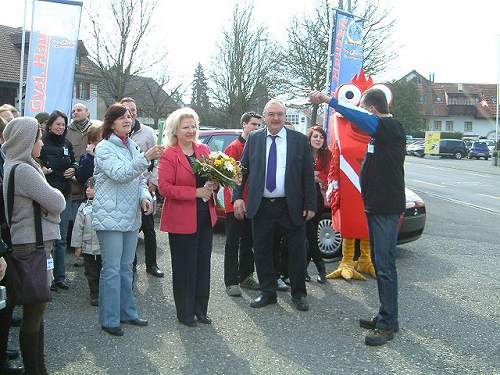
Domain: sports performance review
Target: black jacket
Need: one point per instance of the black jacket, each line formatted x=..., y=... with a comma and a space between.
x=57, y=154
x=299, y=175
x=382, y=174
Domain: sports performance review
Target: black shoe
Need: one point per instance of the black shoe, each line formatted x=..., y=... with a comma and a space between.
x=62, y=285
x=53, y=287
x=262, y=301
x=136, y=322
x=12, y=353
x=372, y=323
x=379, y=337
x=300, y=303
x=16, y=321
x=7, y=367
x=189, y=323
x=320, y=266
x=154, y=271
x=115, y=331
x=204, y=319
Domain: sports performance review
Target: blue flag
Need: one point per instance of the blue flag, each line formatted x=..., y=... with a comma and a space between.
x=52, y=56
x=345, y=55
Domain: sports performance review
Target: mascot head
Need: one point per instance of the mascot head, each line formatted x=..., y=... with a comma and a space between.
x=350, y=94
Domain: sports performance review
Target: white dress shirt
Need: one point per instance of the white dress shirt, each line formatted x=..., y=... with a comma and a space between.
x=279, y=192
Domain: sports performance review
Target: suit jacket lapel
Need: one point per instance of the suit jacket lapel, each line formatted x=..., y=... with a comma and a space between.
x=183, y=159
x=261, y=150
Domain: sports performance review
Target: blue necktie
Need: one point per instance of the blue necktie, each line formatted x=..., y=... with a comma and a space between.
x=271, y=166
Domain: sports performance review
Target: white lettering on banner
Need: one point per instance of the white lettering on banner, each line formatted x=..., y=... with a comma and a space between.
x=349, y=172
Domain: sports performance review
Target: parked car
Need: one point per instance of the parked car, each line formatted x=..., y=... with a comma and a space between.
x=454, y=148
x=329, y=241
x=478, y=150
x=490, y=143
x=416, y=148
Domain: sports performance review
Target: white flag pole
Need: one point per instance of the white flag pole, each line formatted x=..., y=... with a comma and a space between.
x=498, y=91
x=21, y=67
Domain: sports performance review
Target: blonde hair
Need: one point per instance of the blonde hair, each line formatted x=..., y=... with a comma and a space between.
x=173, y=122
x=94, y=132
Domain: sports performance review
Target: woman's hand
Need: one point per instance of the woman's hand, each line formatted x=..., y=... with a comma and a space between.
x=316, y=177
x=3, y=268
x=204, y=192
x=78, y=251
x=90, y=149
x=69, y=173
x=154, y=153
x=46, y=171
x=214, y=185
x=147, y=206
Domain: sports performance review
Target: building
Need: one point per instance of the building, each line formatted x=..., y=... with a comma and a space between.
x=468, y=108
x=85, y=85
x=299, y=116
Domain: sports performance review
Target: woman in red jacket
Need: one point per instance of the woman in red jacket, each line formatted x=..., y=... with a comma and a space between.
x=188, y=216
x=321, y=156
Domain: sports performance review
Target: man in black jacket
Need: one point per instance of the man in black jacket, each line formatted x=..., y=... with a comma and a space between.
x=278, y=166
x=383, y=190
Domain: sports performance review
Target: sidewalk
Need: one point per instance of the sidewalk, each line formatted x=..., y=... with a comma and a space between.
x=479, y=166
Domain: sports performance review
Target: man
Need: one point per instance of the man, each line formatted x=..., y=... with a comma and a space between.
x=77, y=135
x=239, y=232
x=145, y=138
x=383, y=190
x=278, y=166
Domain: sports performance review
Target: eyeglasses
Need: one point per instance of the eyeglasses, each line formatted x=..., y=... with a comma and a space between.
x=273, y=114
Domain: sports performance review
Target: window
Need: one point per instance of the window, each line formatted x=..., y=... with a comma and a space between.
x=77, y=60
x=82, y=90
x=438, y=99
x=468, y=126
x=293, y=119
x=449, y=126
x=219, y=142
x=437, y=125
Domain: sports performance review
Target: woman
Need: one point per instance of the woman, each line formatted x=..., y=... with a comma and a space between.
x=59, y=166
x=120, y=194
x=188, y=216
x=22, y=145
x=321, y=156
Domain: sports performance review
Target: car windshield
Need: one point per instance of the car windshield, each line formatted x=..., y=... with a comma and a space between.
x=480, y=145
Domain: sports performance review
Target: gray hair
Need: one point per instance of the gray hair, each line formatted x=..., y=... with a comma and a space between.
x=274, y=101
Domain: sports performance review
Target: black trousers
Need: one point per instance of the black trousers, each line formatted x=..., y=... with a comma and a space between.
x=313, y=251
x=238, y=254
x=280, y=253
x=148, y=228
x=93, y=265
x=191, y=255
x=273, y=213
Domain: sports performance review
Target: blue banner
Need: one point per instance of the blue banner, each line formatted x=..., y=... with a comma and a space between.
x=52, y=56
x=345, y=55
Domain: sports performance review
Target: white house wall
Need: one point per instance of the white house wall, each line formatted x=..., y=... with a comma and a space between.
x=480, y=127
x=91, y=104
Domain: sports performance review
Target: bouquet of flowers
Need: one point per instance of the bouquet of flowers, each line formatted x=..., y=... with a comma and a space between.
x=219, y=167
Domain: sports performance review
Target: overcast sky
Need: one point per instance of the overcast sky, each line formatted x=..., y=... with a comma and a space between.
x=457, y=42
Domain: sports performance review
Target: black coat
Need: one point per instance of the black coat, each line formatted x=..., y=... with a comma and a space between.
x=299, y=175
x=57, y=154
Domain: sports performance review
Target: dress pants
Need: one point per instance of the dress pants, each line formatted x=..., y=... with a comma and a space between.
x=191, y=255
x=273, y=213
x=313, y=251
x=383, y=237
x=148, y=228
x=238, y=254
x=116, y=299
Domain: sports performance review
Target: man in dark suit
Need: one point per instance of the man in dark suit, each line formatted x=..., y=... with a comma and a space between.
x=278, y=168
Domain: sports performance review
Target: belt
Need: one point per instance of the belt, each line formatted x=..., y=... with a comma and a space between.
x=272, y=200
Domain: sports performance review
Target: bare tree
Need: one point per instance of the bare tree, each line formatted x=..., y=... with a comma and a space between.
x=246, y=67
x=158, y=97
x=117, y=42
x=308, y=41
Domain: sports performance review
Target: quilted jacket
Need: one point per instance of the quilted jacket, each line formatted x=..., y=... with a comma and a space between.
x=83, y=235
x=119, y=187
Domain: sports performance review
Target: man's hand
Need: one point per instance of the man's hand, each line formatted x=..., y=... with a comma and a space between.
x=147, y=206
x=3, y=268
x=308, y=214
x=46, y=171
x=69, y=173
x=317, y=97
x=239, y=209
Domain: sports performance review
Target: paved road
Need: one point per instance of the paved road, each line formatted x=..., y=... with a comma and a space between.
x=449, y=311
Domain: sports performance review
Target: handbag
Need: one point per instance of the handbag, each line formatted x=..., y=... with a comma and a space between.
x=26, y=277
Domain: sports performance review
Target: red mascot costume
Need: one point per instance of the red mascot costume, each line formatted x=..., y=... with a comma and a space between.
x=348, y=146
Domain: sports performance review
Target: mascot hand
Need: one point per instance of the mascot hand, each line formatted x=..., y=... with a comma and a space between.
x=332, y=187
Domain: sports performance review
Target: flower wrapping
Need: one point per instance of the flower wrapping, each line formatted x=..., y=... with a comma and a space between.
x=219, y=167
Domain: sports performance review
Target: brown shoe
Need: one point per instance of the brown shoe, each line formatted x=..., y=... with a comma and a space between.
x=379, y=337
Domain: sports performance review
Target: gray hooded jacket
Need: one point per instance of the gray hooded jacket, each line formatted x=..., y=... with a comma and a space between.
x=30, y=185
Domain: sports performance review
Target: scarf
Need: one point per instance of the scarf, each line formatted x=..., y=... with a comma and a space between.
x=80, y=126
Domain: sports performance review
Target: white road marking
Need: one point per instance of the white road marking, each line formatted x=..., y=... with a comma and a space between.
x=489, y=196
x=429, y=183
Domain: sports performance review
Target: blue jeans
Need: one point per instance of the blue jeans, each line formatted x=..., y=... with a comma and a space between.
x=59, y=248
x=383, y=236
x=116, y=300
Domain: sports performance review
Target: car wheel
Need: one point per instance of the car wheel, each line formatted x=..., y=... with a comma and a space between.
x=486, y=158
x=458, y=155
x=329, y=240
